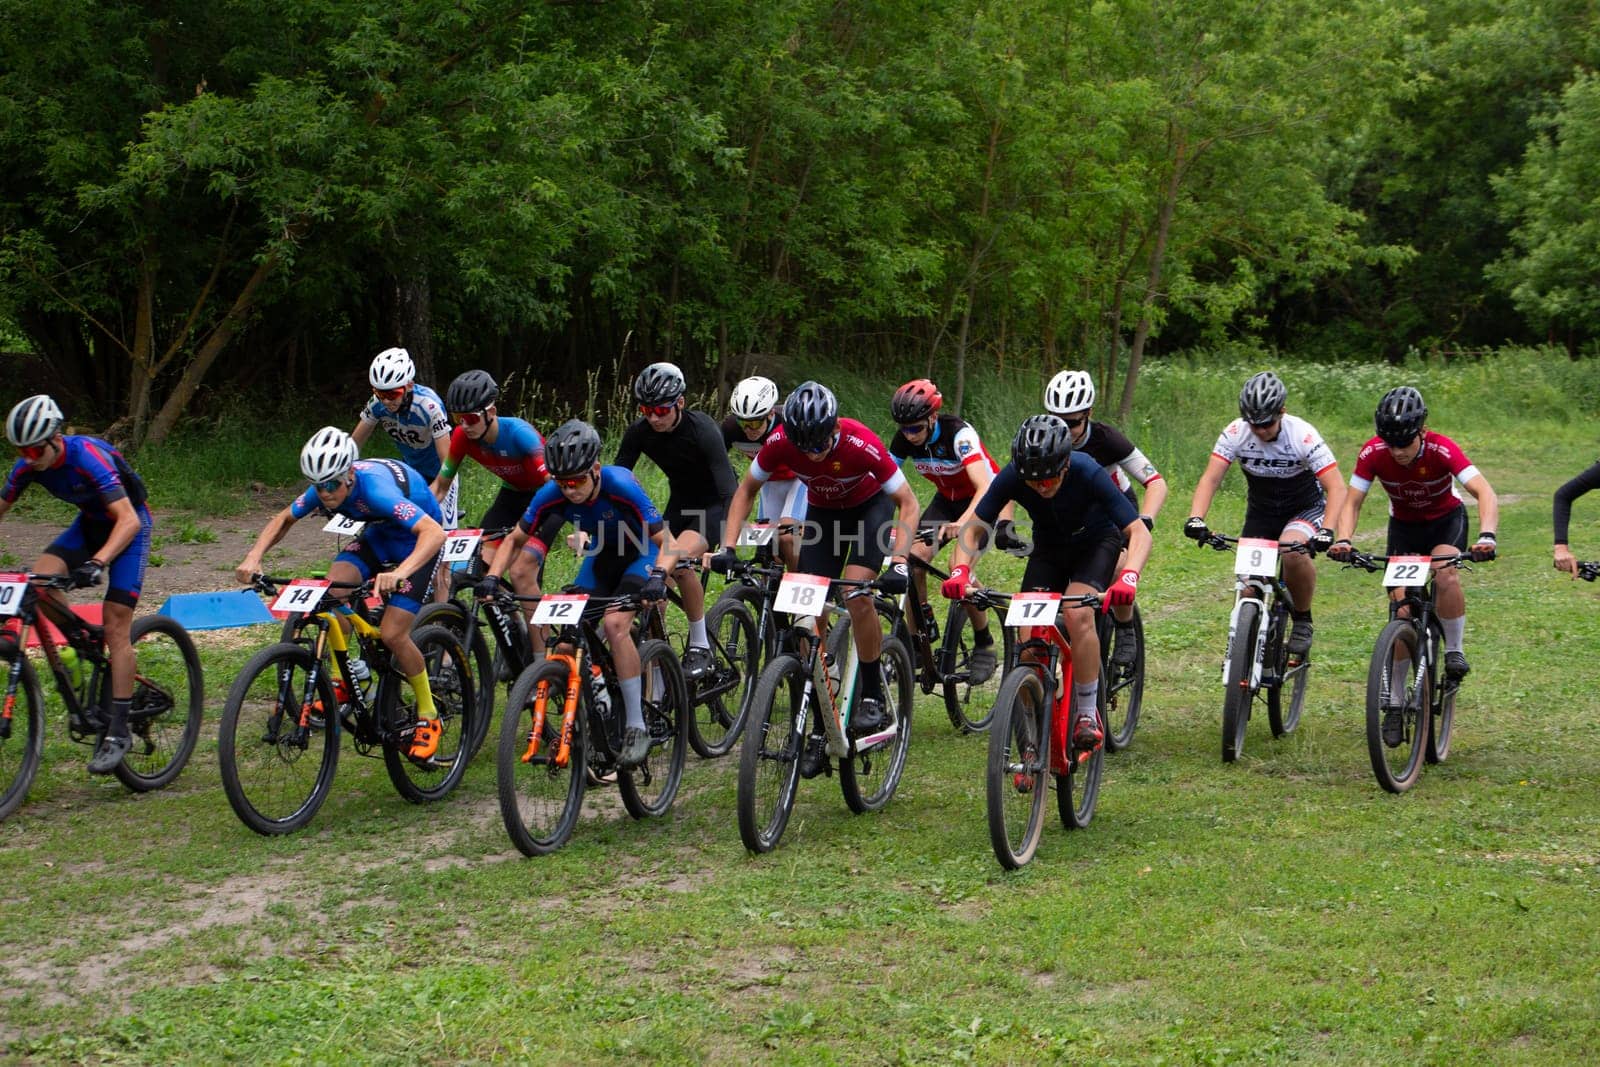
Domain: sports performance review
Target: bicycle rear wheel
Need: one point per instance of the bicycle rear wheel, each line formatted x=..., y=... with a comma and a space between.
x=714, y=727
x=1238, y=691
x=169, y=695
x=869, y=779
x=1397, y=708
x=1078, y=791
x=769, y=761
x=450, y=680
x=1124, y=685
x=484, y=668
x=21, y=736
x=648, y=789
x=278, y=741
x=970, y=705
x=1016, y=779
x=541, y=799
x=1444, y=708
x=1283, y=719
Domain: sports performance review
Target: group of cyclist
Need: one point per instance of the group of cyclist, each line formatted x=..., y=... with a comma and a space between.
x=838, y=493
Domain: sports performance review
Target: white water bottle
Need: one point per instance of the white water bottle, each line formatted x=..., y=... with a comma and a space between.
x=360, y=674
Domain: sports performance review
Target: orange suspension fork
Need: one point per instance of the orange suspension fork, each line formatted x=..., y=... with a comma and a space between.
x=569, y=709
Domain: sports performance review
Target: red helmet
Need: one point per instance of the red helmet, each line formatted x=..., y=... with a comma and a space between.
x=915, y=401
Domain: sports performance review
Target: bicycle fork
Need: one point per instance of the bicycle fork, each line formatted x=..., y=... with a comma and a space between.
x=1260, y=652
x=569, y=709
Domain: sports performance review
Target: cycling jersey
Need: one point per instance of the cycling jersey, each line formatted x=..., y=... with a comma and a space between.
x=692, y=455
x=1086, y=508
x=386, y=493
x=619, y=520
x=90, y=474
x=1110, y=447
x=419, y=422
x=1281, y=474
x=516, y=456
x=944, y=455
x=733, y=438
x=857, y=467
x=1572, y=490
x=1422, y=490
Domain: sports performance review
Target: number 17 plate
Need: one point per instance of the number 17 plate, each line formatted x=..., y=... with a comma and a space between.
x=1032, y=609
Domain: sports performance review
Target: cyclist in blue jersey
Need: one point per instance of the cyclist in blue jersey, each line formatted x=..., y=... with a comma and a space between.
x=398, y=548
x=413, y=416
x=623, y=541
x=108, y=541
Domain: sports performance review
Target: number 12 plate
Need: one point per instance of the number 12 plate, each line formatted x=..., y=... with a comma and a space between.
x=1032, y=609
x=557, y=610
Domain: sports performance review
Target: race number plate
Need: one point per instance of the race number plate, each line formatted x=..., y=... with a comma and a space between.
x=1256, y=555
x=1032, y=609
x=343, y=525
x=459, y=545
x=11, y=590
x=559, y=609
x=303, y=594
x=756, y=533
x=1406, y=570
x=802, y=594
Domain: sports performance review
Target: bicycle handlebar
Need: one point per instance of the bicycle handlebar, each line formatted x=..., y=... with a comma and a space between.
x=991, y=598
x=1221, y=542
x=1372, y=564
x=1589, y=569
x=268, y=584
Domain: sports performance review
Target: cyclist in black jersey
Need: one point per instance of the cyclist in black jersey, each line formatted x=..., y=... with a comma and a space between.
x=1562, y=515
x=753, y=419
x=687, y=446
x=1070, y=395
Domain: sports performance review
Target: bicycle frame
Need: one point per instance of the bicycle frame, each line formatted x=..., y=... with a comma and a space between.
x=582, y=637
x=834, y=703
x=1261, y=590
x=84, y=718
x=1055, y=670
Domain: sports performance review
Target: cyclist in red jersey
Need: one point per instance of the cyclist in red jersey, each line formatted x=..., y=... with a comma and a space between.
x=854, y=489
x=1419, y=470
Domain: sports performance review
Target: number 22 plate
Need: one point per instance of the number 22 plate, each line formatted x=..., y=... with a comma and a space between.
x=11, y=589
x=1406, y=570
x=802, y=594
x=557, y=610
x=1256, y=555
x=1032, y=609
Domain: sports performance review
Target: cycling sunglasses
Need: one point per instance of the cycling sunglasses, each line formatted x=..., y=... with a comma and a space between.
x=575, y=482
x=467, y=418
x=1074, y=423
x=331, y=485
x=753, y=424
x=1043, y=483
x=913, y=427
x=33, y=452
x=389, y=394
x=660, y=411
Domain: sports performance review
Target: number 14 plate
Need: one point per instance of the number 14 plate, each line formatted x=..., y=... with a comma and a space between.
x=1406, y=570
x=1032, y=609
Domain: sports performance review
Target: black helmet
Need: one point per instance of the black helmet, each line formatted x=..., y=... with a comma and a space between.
x=472, y=391
x=915, y=401
x=1042, y=447
x=810, y=416
x=1400, y=416
x=571, y=449
x=1262, y=398
x=659, y=383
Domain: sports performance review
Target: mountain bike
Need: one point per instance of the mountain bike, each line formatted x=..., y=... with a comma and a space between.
x=1124, y=684
x=168, y=691
x=1030, y=737
x=947, y=665
x=1411, y=702
x=744, y=630
x=563, y=725
x=1258, y=659
x=279, y=737
x=803, y=701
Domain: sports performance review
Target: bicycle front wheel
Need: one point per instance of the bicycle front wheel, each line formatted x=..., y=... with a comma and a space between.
x=541, y=796
x=1398, y=703
x=1078, y=791
x=1283, y=718
x=169, y=695
x=450, y=680
x=278, y=741
x=1239, y=690
x=1016, y=777
x=869, y=779
x=769, y=761
x=648, y=789
x=1124, y=685
x=21, y=736
x=970, y=703
x=484, y=671
x=714, y=727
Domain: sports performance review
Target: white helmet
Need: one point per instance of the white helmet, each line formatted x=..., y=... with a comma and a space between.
x=34, y=421
x=328, y=455
x=392, y=369
x=754, y=398
x=1068, y=392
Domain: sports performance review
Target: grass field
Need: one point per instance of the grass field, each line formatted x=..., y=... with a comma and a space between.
x=1279, y=908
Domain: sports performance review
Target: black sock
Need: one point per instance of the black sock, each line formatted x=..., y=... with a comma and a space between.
x=871, y=680
x=1300, y=616
x=982, y=638
x=118, y=726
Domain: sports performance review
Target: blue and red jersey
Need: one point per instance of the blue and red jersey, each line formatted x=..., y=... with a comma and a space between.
x=90, y=474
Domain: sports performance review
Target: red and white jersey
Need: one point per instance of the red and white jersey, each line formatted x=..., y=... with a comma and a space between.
x=944, y=457
x=1423, y=490
x=855, y=470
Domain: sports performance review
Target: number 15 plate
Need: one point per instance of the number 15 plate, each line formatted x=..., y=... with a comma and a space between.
x=1032, y=609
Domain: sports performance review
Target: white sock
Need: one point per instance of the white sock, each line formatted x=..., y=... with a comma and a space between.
x=1454, y=631
x=697, y=634
x=632, y=689
x=1087, y=696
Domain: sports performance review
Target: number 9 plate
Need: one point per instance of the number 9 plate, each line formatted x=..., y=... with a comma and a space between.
x=1256, y=555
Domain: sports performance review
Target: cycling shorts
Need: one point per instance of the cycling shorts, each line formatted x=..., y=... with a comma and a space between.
x=1421, y=538
x=940, y=510
x=858, y=536
x=1089, y=563
x=782, y=499
x=80, y=542
x=705, y=518
x=614, y=575
x=381, y=550
x=1270, y=525
x=506, y=510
